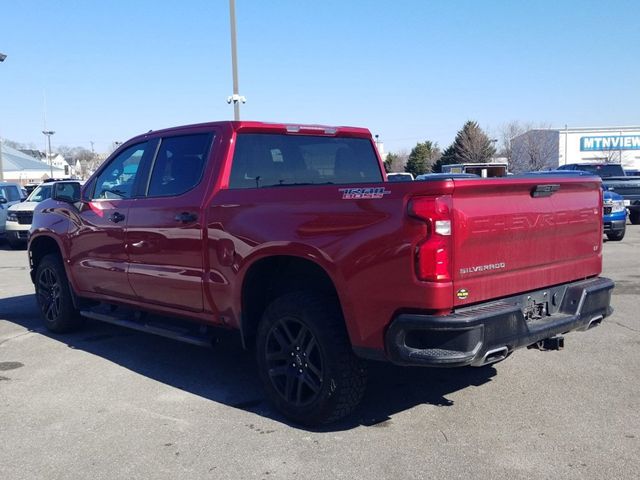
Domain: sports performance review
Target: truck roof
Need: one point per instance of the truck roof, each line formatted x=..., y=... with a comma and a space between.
x=249, y=126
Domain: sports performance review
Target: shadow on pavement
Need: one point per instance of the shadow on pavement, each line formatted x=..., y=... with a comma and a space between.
x=227, y=374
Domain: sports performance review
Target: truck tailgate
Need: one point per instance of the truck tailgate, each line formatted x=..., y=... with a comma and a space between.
x=519, y=234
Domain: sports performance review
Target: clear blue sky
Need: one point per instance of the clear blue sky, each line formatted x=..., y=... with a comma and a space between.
x=408, y=70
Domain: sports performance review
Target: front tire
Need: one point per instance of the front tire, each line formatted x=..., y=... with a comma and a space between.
x=53, y=295
x=617, y=236
x=305, y=360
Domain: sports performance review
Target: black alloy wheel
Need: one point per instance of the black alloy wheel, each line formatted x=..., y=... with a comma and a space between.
x=306, y=361
x=49, y=294
x=294, y=362
x=54, y=296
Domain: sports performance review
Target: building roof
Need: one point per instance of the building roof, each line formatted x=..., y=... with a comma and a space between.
x=15, y=161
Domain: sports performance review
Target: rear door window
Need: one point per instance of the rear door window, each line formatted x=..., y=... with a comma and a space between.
x=272, y=160
x=179, y=165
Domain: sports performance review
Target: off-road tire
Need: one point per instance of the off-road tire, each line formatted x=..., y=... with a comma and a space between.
x=339, y=386
x=54, y=297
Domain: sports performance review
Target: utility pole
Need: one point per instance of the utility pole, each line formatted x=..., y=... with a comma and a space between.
x=1, y=166
x=2, y=57
x=236, y=98
x=48, y=134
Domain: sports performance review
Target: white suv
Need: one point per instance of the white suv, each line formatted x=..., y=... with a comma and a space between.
x=19, y=216
x=10, y=194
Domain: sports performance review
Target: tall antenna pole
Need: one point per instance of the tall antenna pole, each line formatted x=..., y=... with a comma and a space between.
x=236, y=98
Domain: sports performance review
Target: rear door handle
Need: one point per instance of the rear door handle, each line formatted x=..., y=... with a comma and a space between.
x=116, y=217
x=186, y=217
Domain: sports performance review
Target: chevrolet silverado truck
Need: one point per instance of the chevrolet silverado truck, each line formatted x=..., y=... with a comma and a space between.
x=291, y=235
x=615, y=180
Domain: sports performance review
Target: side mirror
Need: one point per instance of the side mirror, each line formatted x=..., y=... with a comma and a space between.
x=68, y=192
x=3, y=200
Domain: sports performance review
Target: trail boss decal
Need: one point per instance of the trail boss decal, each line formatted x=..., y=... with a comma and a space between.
x=363, y=193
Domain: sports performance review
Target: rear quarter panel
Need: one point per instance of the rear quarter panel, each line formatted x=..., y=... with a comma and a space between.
x=366, y=247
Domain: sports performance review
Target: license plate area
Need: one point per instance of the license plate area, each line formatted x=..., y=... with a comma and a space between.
x=535, y=310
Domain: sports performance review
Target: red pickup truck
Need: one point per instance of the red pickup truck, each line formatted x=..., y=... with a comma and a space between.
x=292, y=235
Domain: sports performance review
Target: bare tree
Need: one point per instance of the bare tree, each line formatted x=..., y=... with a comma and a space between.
x=611, y=155
x=506, y=134
x=535, y=149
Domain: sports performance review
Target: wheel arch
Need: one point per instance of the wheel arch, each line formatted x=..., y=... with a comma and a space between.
x=272, y=276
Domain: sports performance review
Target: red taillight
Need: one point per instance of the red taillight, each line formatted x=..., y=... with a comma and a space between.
x=433, y=254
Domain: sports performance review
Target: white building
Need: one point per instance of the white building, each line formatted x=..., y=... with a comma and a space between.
x=22, y=168
x=553, y=147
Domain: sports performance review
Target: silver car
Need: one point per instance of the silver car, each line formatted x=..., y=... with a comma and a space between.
x=10, y=194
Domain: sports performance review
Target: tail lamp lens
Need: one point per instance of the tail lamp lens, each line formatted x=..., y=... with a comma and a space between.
x=433, y=254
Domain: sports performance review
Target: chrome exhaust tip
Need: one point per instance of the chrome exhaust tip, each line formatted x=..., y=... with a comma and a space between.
x=495, y=355
x=595, y=321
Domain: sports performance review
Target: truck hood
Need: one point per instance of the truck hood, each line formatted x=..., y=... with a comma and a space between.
x=23, y=207
x=609, y=196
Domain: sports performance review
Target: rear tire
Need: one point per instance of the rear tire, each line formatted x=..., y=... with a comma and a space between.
x=305, y=360
x=617, y=236
x=53, y=294
x=634, y=217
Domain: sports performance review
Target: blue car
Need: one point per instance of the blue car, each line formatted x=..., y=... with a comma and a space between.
x=615, y=216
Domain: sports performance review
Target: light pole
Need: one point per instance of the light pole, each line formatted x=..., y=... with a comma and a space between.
x=495, y=142
x=2, y=57
x=48, y=134
x=236, y=98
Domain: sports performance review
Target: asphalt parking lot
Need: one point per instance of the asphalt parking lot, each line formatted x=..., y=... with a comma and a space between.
x=109, y=403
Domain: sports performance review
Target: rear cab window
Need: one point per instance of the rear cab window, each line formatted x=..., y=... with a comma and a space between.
x=278, y=160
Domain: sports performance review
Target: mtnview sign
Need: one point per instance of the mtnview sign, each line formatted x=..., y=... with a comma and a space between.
x=620, y=142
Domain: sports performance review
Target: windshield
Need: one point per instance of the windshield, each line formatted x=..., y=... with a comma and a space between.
x=603, y=170
x=41, y=193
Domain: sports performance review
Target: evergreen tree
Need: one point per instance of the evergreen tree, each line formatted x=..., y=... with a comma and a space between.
x=447, y=158
x=472, y=145
x=389, y=162
x=422, y=156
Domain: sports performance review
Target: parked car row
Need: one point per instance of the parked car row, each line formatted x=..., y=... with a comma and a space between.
x=16, y=210
x=10, y=194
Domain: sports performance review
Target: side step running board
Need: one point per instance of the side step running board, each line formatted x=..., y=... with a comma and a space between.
x=201, y=341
